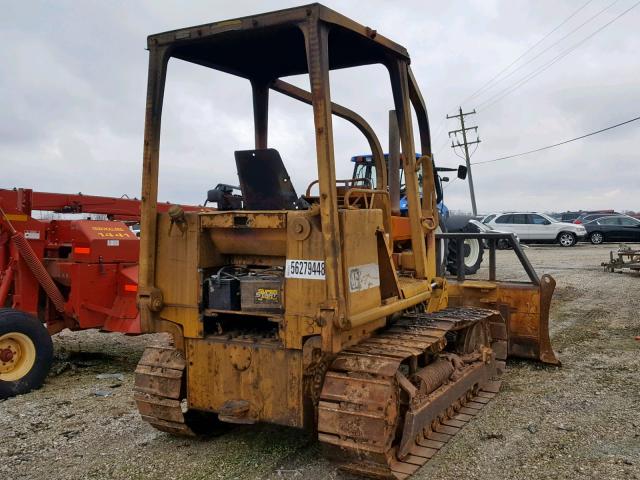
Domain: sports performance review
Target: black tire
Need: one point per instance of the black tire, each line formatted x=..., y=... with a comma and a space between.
x=596, y=238
x=472, y=246
x=442, y=248
x=503, y=244
x=24, y=325
x=567, y=239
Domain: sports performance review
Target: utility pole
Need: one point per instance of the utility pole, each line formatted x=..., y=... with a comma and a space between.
x=466, y=144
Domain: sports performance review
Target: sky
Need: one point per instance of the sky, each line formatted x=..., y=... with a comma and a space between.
x=73, y=87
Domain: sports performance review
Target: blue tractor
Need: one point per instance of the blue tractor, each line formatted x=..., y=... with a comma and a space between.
x=364, y=167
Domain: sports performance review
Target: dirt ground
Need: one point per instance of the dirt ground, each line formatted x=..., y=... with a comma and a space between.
x=576, y=422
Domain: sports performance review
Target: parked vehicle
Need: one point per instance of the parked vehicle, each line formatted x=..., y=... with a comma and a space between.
x=619, y=228
x=502, y=244
x=487, y=218
x=135, y=228
x=570, y=217
x=567, y=217
x=538, y=227
x=590, y=217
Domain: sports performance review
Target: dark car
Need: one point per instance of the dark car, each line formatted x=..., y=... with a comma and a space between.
x=570, y=217
x=567, y=217
x=590, y=217
x=619, y=228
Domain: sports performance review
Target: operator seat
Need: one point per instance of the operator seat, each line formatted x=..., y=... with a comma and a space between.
x=264, y=181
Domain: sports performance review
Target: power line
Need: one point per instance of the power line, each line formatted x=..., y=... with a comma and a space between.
x=500, y=95
x=507, y=91
x=558, y=144
x=441, y=129
x=539, y=54
x=443, y=124
x=441, y=145
x=489, y=82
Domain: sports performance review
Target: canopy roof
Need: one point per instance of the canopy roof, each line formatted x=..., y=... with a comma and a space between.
x=271, y=45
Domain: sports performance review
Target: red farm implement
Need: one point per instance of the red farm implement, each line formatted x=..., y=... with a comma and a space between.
x=57, y=274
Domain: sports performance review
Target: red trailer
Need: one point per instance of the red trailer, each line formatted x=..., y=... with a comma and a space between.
x=57, y=274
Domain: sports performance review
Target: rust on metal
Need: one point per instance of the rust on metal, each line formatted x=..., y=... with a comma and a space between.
x=372, y=428
x=367, y=343
x=625, y=257
x=158, y=389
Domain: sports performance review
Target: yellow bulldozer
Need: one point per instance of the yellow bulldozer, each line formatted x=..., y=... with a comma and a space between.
x=301, y=310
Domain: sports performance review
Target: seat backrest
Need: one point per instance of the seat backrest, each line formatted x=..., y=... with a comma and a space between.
x=264, y=181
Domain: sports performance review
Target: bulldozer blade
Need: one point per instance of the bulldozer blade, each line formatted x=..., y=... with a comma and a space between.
x=524, y=307
x=529, y=332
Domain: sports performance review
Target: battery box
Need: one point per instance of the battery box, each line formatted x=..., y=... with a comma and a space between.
x=223, y=292
x=261, y=293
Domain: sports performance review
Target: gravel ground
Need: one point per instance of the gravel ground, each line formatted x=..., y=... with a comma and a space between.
x=576, y=422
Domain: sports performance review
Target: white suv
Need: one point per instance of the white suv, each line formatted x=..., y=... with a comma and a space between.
x=536, y=227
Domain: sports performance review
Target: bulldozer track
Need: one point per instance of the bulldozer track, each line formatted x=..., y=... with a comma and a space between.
x=158, y=390
x=371, y=419
x=366, y=404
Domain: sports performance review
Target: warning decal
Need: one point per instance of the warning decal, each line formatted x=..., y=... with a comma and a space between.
x=364, y=277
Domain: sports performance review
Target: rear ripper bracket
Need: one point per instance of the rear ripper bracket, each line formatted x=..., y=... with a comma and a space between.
x=327, y=316
x=150, y=297
x=176, y=214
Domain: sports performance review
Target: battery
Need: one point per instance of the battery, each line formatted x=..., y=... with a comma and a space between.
x=223, y=292
x=261, y=293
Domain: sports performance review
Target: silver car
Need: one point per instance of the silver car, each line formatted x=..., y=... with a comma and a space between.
x=502, y=244
x=537, y=227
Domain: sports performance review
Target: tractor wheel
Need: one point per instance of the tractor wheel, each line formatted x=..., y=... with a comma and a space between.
x=473, y=253
x=503, y=244
x=596, y=238
x=26, y=352
x=442, y=248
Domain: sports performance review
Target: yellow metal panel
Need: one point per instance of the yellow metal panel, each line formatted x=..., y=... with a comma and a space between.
x=247, y=233
x=243, y=219
x=303, y=296
x=177, y=274
x=412, y=286
x=265, y=375
x=361, y=267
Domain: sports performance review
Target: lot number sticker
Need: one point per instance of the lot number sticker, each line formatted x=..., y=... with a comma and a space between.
x=307, y=269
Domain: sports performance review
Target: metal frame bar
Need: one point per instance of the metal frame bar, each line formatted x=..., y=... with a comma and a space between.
x=158, y=60
x=260, y=91
x=399, y=76
x=316, y=35
x=492, y=238
x=315, y=22
x=352, y=117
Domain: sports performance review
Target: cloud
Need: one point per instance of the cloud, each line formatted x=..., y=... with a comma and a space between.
x=73, y=87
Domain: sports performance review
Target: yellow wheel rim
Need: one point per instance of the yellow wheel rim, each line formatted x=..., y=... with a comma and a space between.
x=17, y=356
